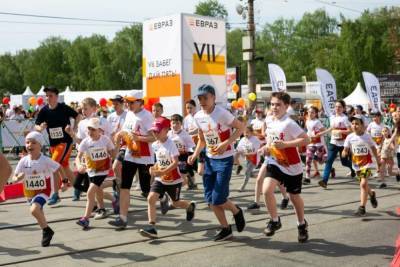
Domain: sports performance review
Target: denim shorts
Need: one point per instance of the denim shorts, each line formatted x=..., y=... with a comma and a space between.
x=217, y=174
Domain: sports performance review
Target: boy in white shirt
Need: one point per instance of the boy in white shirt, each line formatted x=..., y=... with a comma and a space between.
x=167, y=177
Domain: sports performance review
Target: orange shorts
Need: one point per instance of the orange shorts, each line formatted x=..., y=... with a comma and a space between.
x=61, y=153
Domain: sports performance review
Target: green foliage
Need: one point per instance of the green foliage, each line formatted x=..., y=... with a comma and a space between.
x=211, y=8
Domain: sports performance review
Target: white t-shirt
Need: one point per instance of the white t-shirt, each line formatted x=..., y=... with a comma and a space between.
x=189, y=123
x=314, y=127
x=97, y=158
x=257, y=127
x=250, y=146
x=38, y=175
x=360, y=147
x=139, y=123
x=182, y=140
x=116, y=121
x=287, y=159
x=375, y=130
x=339, y=123
x=216, y=129
x=165, y=152
x=83, y=124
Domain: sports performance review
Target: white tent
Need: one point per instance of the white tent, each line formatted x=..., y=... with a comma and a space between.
x=22, y=99
x=67, y=90
x=28, y=91
x=358, y=97
x=41, y=91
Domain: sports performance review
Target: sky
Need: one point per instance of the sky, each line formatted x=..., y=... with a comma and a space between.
x=19, y=32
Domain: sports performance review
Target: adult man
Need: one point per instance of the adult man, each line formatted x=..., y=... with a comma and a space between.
x=215, y=126
x=56, y=119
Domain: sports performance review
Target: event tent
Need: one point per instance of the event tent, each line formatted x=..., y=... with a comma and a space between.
x=358, y=97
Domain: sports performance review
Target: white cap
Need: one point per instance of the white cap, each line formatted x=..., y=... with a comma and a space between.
x=38, y=137
x=134, y=95
x=94, y=123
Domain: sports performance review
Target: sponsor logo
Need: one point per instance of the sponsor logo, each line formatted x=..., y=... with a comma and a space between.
x=161, y=24
x=203, y=23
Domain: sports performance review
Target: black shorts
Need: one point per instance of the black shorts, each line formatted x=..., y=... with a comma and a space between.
x=121, y=155
x=173, y=190
x=202, y=156
x=97, y=180
x=184, y=167
x=128, y=172
x=292, y=183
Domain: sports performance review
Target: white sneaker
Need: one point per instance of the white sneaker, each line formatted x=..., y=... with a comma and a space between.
x=100, y=214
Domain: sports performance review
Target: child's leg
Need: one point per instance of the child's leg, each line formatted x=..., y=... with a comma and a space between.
x=249, y=170
x=390, y=164
x=37, y=212
x=91, y=194
x=151, y=210
x=382, y=170
x=309, y=157
x=259, y=183
x=183, y=204
x=315, y=163
x=298, y=204
x=269, y=197
x=364, y=191
x=283, y=191
x=100, y=198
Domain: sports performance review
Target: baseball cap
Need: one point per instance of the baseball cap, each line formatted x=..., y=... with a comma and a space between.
x=118, y=98
x=38, y=137
x=205, y=89
x=134, y=95
x=160, y=123
x=51, y=89
x=94, y=123
x=357, y=117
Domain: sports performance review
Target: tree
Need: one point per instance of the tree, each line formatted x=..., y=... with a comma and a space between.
x=211, y=8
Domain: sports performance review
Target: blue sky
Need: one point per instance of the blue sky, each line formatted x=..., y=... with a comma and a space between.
x=18, y=32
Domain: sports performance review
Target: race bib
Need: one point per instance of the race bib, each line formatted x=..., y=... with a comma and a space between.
x=35, y=182
x=212, y=139
x=376, y=133
x=336, y=134
x=273, y=137
x=98, y=153
x=163, y=160
x=360, y=149
x=248, y=148
x=179, y=145
x=56, y=133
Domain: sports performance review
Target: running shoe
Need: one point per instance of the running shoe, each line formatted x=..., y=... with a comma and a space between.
x=149, y=231
x=190, y=211
x=360, y=211
x=373, y=200
x=323, y=184
x=100, y=214
x=119, y=223
x=272, y=227
x=240, y=222
x=383, y=185
x=224, y=234
x=77, y=195
x=398, y=177
x=284, y=203
x=54, y=199
x=253, y=206
x=47, y=236
x=306, y=181
x=239, y=169
x=303, y=232
x=333, y=173
x=83, y=222
x=164, y=204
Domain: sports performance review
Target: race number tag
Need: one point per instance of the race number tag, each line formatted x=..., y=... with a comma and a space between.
x=376, y=133
x=248, y=148
x=56, y=133
x=272, y=137
x=212, y=139
x=360, y=149
x=35, y=182
x=179, y=145
x=98, y=153
x=336, y=134
x=163, y=160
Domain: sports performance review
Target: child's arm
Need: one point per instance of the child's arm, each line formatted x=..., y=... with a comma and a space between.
x=17, y=177
x=301, y=140
x=57, y=176
x=345, y=152
x=78, y=162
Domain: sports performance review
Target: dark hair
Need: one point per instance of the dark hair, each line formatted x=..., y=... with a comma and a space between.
x=158, y=105
x=191, y=102
x=250, y=128
x=316, y=110
x=342, y=103
x=177, y=117
x=283, y=96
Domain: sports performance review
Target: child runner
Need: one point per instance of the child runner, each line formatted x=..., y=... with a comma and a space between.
x=283, y=164
x=396, y=122
x=167, y=177
x=361, y=145
x=386, y=151
x=215, y=126
x=98, y=151
x=248, y=146
x=315, y=150
x=40, y=174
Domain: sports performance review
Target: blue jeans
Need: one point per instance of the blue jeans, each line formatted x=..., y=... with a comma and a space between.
x=216, y=178
x=332, y=153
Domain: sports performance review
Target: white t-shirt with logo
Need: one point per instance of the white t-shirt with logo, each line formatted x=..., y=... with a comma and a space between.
x=165, y=152
x=375, y=130
x=314, y=127
x=139, y=123
x=360, y=147
x=339, y=123
x=183, y=141
x=249, y=146
x=287, y=159
x=97, y=158
x=216, y=129
x=116, y=121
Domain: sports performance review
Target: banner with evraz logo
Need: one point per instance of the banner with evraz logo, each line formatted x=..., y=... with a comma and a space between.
x=277, y=78
x=373, y=90
x=327, y=90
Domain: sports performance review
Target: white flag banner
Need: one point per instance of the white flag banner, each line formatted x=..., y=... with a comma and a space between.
x=373, y=90
x=328, y=90
x=277, y=78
